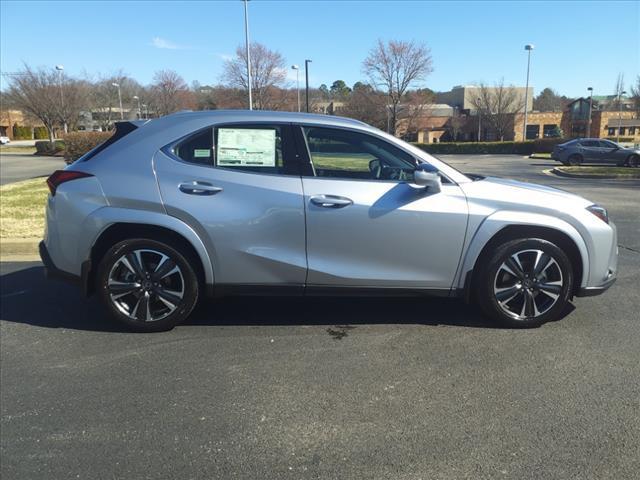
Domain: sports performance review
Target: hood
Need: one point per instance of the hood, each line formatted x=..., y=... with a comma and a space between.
x=516, y=193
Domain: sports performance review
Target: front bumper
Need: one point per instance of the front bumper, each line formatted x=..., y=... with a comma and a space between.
x=593, y=291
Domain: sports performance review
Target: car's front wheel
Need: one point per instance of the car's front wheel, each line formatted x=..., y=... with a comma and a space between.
x=525, y=283
x=147, y=285
x=634, y=161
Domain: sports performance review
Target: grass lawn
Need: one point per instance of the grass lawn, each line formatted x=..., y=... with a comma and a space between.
x=17, y=149
x=22, y=207
x=350, y=162
x=603, y=171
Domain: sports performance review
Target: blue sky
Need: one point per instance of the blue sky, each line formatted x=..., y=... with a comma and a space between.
x=577, y=44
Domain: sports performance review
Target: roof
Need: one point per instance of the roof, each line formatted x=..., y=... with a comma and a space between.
x=623, y=122
x=268, y=116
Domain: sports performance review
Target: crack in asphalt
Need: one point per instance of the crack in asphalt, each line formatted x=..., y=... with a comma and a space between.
x=629, y=248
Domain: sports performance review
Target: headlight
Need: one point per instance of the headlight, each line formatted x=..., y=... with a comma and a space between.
x=599, y=212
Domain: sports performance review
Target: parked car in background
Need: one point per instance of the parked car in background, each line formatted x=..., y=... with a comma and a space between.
x=595, y=150
x=4, y=140
x=237, y=202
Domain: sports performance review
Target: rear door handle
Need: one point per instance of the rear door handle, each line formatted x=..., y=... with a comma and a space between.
x=331, y=201
x=199, y=188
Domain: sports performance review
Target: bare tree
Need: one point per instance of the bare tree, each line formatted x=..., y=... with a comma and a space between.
x=619, y=89
x=394, y=67
x=268, y=75
x=37, y=93
x=170, y=93
x=497, y=105
x=366, y=104
x=635, y=95
x=103, y=98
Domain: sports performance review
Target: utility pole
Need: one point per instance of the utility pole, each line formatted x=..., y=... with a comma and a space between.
x=620, y=94
x=306, y=76
x=247, y=46
x=590, y=89
x=60, y=68
x=117, y=85
x=528, y=48
x=297, y=69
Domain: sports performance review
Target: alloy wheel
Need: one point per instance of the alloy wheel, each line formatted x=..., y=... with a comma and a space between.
x=146, y=285
x=527, y=284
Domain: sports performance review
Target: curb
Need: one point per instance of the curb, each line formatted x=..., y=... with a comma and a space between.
x=19, y=247
x=562, y=173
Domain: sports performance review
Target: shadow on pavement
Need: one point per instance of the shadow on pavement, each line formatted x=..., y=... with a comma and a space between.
x=28, y=297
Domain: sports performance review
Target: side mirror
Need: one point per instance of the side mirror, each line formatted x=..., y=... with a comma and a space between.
x=426, y=175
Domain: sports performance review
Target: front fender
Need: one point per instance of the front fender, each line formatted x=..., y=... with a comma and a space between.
x=99, y=220
x=495, y=222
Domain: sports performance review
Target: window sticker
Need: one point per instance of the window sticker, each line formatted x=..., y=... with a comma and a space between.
x=244, y=147
x=201, y=153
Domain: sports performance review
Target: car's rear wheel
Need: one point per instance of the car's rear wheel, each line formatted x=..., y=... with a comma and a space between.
x=634, y=161
x=575, y=159
x=147, y=285
x=525, y=283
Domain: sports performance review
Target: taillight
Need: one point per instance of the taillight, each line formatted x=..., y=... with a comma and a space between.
x=59, y=177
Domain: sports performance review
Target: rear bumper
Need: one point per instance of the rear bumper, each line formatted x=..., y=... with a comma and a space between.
x=51, y=271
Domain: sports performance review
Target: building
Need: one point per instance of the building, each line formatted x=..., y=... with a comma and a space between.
x=463, y=97
x=9, y=118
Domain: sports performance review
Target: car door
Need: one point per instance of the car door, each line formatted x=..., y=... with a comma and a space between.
x=367, y=225
x=591, y=151
x=609, y=152
x=239, y=187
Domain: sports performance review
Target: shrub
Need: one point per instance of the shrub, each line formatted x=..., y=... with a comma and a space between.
x=22, y=133
x=45, y=147
x=545, y=145
x=520, y=148
x=40, y=133
x=79, y=143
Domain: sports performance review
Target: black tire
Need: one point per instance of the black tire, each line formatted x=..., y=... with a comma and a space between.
x=493, y=280
x=178, y=288
x=575, y=160
x=633, y=161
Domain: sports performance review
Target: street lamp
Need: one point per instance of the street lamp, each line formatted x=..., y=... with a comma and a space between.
x=528, y=48
x=60, y=69
x=297, y=69
x=146, y=111
x=117, y=85
x=620, y=94
x=137, y=98
x=246, y=39
x=306, y=76
x=590, y=89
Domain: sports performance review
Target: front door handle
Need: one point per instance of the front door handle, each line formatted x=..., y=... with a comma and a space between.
x=331, y=201
x=199, y=188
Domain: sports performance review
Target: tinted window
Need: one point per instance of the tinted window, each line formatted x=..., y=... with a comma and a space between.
x=589, y=143
x=198, y=148
x=341, y=153
x=607, y=144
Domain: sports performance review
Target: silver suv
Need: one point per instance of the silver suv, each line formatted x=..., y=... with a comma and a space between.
x=235, y=202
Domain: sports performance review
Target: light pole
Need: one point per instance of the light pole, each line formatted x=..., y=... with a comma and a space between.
x=117, y=85
x=60, y=69
x=297, y=69
x=246, y=40
x=306, y=82
x=620, y=94
x=146, y=111
x=590, y=89
x=479, y=121
x=137, y=98
x=528, y=48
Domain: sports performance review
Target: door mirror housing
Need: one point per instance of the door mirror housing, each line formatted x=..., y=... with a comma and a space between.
x=427, y=176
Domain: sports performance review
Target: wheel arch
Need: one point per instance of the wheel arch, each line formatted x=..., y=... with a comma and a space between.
x=117, y=226
x=494, y=232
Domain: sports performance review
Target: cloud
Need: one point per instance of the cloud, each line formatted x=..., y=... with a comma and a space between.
x=224, y=56
x=166, y=44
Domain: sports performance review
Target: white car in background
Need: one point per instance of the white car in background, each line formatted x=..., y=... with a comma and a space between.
x=4, y=140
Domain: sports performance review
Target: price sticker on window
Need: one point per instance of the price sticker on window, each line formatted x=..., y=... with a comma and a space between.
x=246, y=147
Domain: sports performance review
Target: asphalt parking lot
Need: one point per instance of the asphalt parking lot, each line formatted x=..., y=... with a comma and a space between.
x=328, y=388
x=22, y=166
